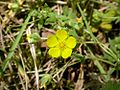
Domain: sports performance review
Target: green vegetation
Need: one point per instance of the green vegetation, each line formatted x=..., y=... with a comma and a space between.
x=59, y=44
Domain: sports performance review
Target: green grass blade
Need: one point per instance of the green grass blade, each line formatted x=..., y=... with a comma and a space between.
x=101, y=69
x=86, y=23
x=16, y=42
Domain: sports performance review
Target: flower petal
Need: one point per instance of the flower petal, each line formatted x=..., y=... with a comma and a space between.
x=66, y=53
x=52, y=41
x=54, y=52
x=61, y=34
x=71, y=42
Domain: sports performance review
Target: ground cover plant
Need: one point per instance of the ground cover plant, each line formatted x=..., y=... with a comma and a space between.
x=59, y=44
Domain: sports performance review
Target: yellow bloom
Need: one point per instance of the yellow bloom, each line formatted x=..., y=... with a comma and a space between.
x=61, y=44
x=28, y=37
x=79, y=19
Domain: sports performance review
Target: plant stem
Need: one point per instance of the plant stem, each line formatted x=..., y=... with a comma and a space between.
x=102, y=71
x=86, y=23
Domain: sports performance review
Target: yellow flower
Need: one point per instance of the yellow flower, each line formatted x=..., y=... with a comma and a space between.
x=28, y=37
x=61, y=44
x=79, y=19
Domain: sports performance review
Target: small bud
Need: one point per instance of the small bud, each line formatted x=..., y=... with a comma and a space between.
x=105, y=26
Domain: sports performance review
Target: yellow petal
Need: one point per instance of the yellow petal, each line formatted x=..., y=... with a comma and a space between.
x=61, y=34
x=54, y=52
x=52, y=41
x=71, y=42
x=66, y=53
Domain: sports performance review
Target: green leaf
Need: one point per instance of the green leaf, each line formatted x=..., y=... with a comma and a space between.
x=108, y=57
x=73, y=33
x=79, y=57
x=46, y=79
x=16, y=42
x=109, y=16
x=1, y=73
x=111, y=85
x=34, y=37
x=52, y=18
x=115, y=47
x=69, y=12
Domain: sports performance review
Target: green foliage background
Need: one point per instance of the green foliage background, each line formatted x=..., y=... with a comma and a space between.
x=24, y=28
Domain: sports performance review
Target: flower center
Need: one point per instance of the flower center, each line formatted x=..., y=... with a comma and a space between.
x=62, y=45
